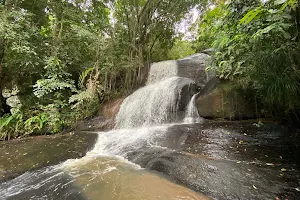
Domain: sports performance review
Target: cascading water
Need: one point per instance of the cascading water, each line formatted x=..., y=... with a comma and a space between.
x=192, y=115
x=162, y=70
x=139, y=125
x=153, y=104
x=156, y=143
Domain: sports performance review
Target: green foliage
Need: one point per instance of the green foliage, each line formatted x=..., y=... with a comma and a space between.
x=208, y=27
x=181, y=49
x=86, y=100
x=56, y=78
x=18, y=34
x=67, y=57
x=258, y=48
x=11, y=125
x=35, y=123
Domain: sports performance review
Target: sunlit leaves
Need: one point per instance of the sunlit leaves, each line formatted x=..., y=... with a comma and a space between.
x=251, y=15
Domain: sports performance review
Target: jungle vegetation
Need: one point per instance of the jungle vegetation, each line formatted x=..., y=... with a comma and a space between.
x=61, y=59
x=256, y=45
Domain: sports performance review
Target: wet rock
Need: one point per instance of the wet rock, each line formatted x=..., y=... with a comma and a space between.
x=227, y=160
x=223, y=100
x=21, y=155
x=111, y=108
x=106, y=118
x=210, y=86
x=194, y=67
x=187, y=93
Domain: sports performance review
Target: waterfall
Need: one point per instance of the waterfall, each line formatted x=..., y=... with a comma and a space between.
x=143, y=122
x=162, y=70
x=153, y=104
x=192, y=115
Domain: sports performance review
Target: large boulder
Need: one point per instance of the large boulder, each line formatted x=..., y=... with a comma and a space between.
x=111, y=108
x=193, y=67
x=224, y=100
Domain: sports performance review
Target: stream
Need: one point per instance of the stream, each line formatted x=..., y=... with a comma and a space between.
x=161, y=148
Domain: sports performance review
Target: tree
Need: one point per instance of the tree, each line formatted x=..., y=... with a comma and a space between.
x=256, y=45
x=67, y=57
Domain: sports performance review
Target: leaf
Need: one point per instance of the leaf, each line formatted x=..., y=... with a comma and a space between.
x=279, y=2
x=251, y=15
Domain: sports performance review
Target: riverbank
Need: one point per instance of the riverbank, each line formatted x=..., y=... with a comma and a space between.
x=262, y=153
x=26, y=154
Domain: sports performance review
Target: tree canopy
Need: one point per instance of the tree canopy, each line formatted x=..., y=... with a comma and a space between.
x=60, y=59
x=257, y=46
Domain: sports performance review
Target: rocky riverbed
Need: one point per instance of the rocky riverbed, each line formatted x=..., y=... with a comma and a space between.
x=222, y=160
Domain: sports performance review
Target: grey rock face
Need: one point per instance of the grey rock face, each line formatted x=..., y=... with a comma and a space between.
x=13, y=101
x=193, y=67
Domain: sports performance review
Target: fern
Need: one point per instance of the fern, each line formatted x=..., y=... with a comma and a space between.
x=11, y=126
x=83, y=76
x=36, y=123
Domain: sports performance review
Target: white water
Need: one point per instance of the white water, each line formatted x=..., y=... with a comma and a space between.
x=123, y=141
x=162, y=70
x=192, y=115
x=139, y=125
x=153, y=104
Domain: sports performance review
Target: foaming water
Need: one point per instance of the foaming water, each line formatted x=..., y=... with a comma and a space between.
x=153, y=104
x=123, y=141
x=162, y=70
x=104, y=172
x=192, y=115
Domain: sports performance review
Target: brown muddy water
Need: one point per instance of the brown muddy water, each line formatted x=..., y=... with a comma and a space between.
x=211, y=160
